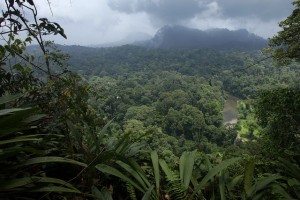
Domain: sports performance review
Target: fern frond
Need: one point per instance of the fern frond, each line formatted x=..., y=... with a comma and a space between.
x=175, y=187
x=131, y=191
x=248, y=177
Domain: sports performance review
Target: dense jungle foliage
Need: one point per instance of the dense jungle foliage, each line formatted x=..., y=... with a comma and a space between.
x=135, y=123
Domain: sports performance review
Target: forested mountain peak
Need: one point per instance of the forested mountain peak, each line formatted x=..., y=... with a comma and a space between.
x=174, y=36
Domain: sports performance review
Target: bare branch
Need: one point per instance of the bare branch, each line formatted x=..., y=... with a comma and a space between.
x=50, y=7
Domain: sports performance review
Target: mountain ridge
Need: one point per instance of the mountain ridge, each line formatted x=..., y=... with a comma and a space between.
x=222, y=39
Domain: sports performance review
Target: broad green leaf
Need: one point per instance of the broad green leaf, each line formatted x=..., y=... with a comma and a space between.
x=294, y=182
x=9, y=98
x=14, y=120
x=133, y=172
x=154, y=159
x=15, y=183
x=7, y=131
x=123, y=145
x=138, y=168
x=277, y=189
x=11, y=110
x=290, y=168
x=222, y=185
x=101, y=195
x=259, y=196
x=134, y=149
x=106, y=194
x=97, y=194
x=51, y=159
x=234, y=182
x=186, y=165
x=214, y=171
x=147, y=195
x=19, y=140
x=166, y=168
x=208, y=163
x=262, y=184
x=55, y=189
x=105, y=156
x=112, y=171
x=15, y=150
x=34, y=118
x=56, y=181
x=105, y=128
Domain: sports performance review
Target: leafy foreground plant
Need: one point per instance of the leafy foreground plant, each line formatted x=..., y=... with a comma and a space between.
x=26, y=155
x=43, y=156
x=290, y=170
x=284, y=184
x=176, y=184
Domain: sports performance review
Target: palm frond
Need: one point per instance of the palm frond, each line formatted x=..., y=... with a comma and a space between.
x=155, y=163
x=211, y=173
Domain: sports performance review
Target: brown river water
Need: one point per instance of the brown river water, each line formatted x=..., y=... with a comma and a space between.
x=230, y=110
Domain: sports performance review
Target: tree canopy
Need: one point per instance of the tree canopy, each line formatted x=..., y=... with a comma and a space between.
x=143, y=124
x=287, y=41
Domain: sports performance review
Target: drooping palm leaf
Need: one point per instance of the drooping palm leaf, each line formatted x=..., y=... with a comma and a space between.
x=214, y=171
x=112, y=171
x=186, y=165
x=58, y=189
x=51, y=159
x=261, y=186
x=290, y=168
x=281, y=192
x=101, y=195
x=21, y=182
x=147, y=195
x=222, y=185
x=9, y=98
x=135, y=173
x=155, y=163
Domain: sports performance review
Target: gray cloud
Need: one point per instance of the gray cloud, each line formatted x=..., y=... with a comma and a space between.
x=176, y=11
x=263, y=9
x=95, y=22
x=161, y=11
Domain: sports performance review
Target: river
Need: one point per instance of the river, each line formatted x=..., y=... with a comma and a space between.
x=230, y=112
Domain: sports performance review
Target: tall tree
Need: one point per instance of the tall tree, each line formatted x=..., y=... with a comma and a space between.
x=278, y=109
x=278, y=113
x=287, y=41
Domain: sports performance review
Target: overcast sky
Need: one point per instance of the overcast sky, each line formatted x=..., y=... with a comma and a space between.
x=102, y=21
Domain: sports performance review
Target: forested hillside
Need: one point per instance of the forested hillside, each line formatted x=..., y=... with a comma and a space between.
x=242, y=74
x=134, y=122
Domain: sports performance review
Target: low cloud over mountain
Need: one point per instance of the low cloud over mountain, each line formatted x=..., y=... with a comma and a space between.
x=224, y=39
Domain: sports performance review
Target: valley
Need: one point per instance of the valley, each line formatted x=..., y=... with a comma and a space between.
x=180, y=114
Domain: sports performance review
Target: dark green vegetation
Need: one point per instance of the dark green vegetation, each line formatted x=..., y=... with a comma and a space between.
x=137, y=123
x=239, y=73
x=288, y=39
